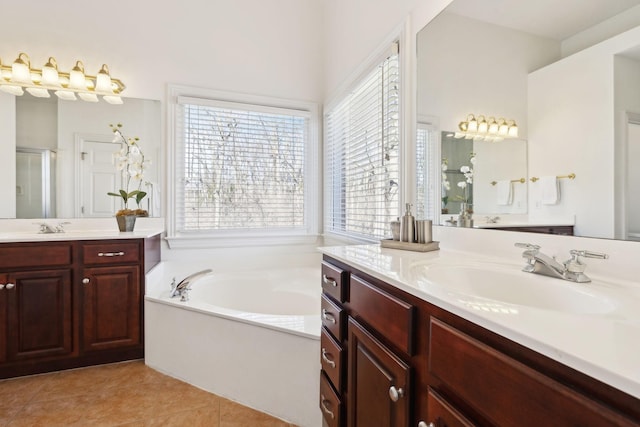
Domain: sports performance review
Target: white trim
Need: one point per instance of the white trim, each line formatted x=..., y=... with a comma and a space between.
x=312, y=190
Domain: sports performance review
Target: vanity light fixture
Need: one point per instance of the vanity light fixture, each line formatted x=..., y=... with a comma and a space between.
x=19, y=76
x=487, y=129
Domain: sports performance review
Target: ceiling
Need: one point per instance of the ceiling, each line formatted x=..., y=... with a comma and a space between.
x=532, y=16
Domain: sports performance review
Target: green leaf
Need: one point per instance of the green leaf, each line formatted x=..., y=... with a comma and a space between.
x=140, y=196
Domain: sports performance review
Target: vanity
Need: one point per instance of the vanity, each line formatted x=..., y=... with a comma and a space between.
x=72, y=299
x=436, y=339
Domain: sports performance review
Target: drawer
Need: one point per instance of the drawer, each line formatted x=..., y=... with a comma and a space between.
x=390, y=316
x=332, y=317
x=35, y=255
x=332, y=359
x=330, y=403
x=116, y=252
x=442, y=413
x=505, y=391
x=334, y=281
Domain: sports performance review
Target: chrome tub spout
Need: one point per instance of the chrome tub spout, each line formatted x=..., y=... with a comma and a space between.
x=181, y=289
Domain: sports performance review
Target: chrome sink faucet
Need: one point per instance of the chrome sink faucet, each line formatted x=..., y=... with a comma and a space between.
x=48, y=229
x=571, y=270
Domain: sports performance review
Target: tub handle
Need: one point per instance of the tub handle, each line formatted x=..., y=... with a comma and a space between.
x=323, y=405
x=326, y=358
x=328, y=316
x=110, y=254
x=329, y=281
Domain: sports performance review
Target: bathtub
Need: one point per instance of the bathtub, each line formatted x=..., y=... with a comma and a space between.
x=250, y=336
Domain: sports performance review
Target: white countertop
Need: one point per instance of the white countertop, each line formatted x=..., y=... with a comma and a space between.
x=605, y=346
x=27, y=230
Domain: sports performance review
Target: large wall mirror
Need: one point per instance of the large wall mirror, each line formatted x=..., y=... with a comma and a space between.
x=569, y=75
x=63, y=153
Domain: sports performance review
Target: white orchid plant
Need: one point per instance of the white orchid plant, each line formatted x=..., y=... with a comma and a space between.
x=467, y=172
x=131, y=161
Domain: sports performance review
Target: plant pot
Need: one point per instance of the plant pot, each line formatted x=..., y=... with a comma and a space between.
x=126, y=222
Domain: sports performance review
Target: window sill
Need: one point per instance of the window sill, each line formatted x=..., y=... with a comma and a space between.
x=210, y=241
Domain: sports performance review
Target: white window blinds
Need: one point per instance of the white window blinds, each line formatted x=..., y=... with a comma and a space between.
x=361, y=155
x=239, y=166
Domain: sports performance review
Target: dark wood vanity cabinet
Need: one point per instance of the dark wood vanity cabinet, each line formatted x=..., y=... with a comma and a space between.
x=71, y=303
x=410, y=363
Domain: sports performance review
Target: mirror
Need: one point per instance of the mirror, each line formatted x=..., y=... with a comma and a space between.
x=528, y=62
x=63, y=153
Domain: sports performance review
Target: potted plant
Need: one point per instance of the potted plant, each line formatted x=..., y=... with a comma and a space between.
x=131, y=161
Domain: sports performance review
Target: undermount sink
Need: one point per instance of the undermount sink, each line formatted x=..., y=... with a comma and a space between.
x=519, y=288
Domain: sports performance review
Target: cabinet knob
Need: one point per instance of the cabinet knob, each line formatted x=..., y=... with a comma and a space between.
x=86, y=281
x=395, y=393
x=9, y=286
x=423, y=424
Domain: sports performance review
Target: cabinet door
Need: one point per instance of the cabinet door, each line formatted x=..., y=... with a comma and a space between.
x=111, y=299
x=39, y=314
x=379, y=383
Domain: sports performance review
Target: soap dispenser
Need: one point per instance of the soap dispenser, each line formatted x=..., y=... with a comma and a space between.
x=407, y=226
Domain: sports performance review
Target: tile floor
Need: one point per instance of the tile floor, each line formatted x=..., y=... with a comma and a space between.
x=126, y=394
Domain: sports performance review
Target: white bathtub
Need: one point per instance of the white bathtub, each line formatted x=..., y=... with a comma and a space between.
x=250, y=336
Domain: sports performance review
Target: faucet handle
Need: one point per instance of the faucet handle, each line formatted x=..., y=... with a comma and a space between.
x=527, y=246
x=574, y=265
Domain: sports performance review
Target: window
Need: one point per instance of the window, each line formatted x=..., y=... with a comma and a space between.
x=361, y=155
x=241, y=168
x=426, y=152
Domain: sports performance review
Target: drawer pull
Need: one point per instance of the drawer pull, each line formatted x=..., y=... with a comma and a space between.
x=323, y=405
x=329, y=281
x=423, y=424
x=395, y=393
x=328, y=316
x=86, y=281
x=326, y=358
x=111, y=253
x=1, y=286
x=9, y=286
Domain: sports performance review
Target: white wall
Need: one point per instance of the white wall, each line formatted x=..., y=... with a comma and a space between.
x=572, y=131
x=468, y=66
x=271, y=48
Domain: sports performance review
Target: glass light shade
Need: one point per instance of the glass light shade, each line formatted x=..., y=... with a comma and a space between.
x=20, y=72
x=113, y=99
x=463, y=126
x=493, y=126
x=67, y=95
x=513, y=131
x=50, y=76
x=12, y=89
x=483, y=126
x=76, y=77
x=472, y=126
x=103, y=80
x=38, y=92
x=89, y=97
x=503, y=129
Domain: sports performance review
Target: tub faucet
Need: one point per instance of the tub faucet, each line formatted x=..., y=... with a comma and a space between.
x=571, y=270
x=182, y=289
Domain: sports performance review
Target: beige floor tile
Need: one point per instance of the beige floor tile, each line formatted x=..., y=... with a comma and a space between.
x=119, y=395
x=233, y=414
